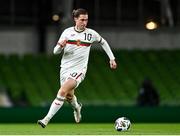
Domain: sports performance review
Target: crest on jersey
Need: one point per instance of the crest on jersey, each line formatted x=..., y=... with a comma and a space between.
x=78, y=42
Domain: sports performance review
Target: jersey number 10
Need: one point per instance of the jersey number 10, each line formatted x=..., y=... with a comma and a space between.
x=87, y=36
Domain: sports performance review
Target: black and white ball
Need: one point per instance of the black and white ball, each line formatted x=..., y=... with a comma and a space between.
x=122, y=124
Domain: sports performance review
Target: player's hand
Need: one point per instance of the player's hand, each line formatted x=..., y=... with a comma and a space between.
x=113, y=64
x=62, y=43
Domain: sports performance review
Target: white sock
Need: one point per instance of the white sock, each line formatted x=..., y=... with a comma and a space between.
x=55, y=106
x=74, y=102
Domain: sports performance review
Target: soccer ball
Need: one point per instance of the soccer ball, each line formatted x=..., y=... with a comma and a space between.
x=122, y=124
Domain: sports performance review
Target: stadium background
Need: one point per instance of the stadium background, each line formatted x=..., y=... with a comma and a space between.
x=29, y=72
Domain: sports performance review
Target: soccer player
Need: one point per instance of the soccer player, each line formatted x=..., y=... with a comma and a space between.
x=76, y=42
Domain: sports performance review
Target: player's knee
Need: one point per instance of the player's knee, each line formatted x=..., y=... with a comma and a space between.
x=62, y=92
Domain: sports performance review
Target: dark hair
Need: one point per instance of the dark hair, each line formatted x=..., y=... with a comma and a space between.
x=76, y=13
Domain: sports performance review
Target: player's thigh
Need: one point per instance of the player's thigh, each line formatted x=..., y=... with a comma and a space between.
x=69, y=85
x=76, y=75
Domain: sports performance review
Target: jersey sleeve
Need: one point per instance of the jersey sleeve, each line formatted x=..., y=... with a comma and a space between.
x=97, y=37
x=104, y=44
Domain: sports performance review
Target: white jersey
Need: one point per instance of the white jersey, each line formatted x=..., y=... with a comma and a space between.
x=76, y=51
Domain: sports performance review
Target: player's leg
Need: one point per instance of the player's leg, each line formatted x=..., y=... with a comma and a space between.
x=67, y=87
x=71, y=98
x=78, y=76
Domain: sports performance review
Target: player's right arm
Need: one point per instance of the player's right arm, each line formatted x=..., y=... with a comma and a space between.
x=60, y=44
x=59, y=47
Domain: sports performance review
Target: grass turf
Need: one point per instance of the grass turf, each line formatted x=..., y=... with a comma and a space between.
x=89, y=129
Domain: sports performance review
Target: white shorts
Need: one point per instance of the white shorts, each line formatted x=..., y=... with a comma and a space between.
x=77, y=75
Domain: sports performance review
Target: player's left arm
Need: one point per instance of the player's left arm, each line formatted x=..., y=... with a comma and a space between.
x=108, y=51
x=106, y=47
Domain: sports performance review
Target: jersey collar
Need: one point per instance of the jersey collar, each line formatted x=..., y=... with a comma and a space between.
x=79, y=31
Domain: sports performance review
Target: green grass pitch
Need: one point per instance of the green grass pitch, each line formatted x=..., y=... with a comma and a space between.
x=89, y=129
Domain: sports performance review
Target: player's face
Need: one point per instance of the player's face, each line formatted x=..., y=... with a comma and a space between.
x=81, y=22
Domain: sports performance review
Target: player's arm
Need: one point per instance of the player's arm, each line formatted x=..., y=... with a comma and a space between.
x=108, y=51
x=61, y=43
x=106, y=47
